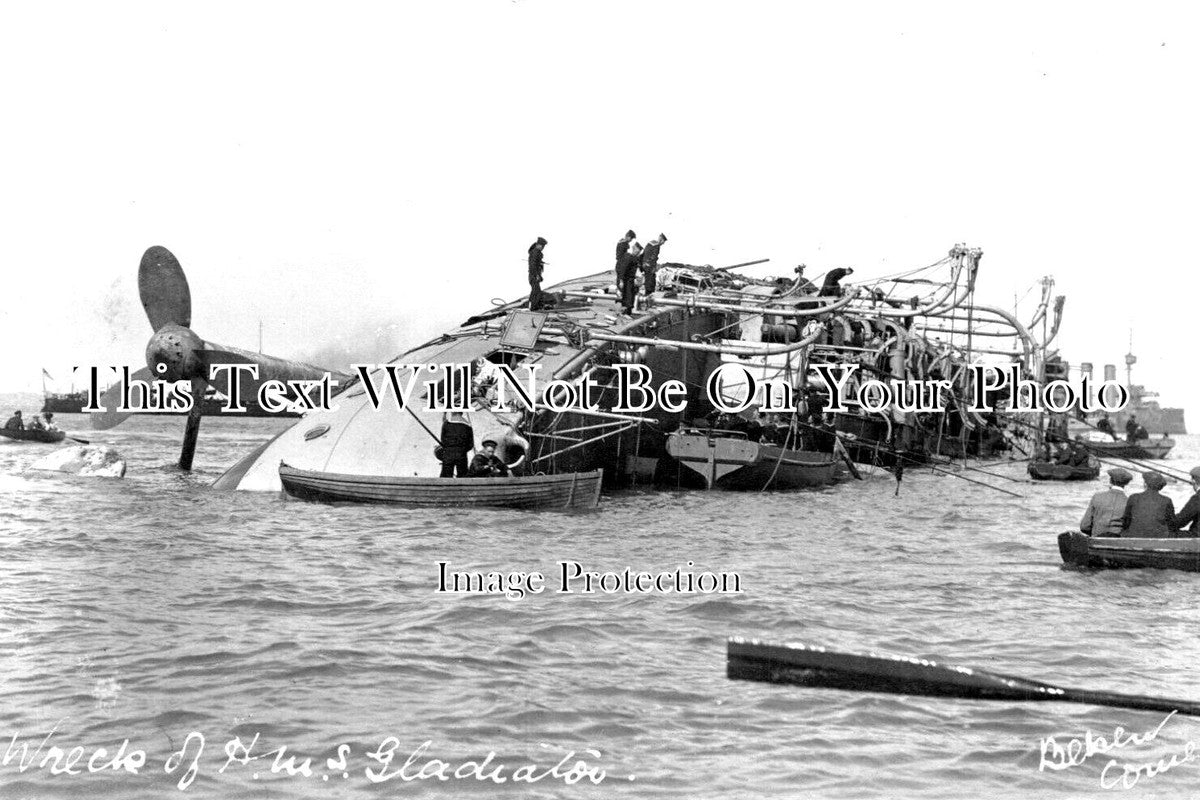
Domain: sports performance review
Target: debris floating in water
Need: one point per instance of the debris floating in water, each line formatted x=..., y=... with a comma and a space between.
x=91, y=461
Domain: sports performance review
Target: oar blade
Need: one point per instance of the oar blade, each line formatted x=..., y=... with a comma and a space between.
x=803, y=665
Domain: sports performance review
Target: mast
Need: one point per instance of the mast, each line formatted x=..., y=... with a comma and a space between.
x=1130, y=360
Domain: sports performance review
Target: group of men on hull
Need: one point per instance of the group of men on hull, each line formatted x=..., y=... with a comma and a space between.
x=631, y=257
x=1147, y=514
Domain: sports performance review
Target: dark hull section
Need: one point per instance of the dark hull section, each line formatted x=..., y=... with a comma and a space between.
x=629, y=452
x=867, y=440
x=1047, y=471
x=1144, y=448
x=45, y=437
x=1113, y=552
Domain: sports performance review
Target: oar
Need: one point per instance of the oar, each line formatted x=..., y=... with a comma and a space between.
x=802, y=665
x=77, y=439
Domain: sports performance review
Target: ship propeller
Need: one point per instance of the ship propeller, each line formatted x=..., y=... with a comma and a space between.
x=176, y=353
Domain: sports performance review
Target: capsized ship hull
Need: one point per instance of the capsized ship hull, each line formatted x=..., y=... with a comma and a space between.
x=358, y=439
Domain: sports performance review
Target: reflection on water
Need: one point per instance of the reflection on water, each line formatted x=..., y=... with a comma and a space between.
x=150, y=607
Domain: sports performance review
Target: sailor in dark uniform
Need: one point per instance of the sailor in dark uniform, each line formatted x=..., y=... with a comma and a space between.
x=15, y=423
x=536, y=267
x=486, y=464
x=458, y=437
x=650, y=262
x=627, y=267
x=622, y=258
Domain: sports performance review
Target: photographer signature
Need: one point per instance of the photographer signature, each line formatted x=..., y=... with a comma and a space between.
x=1116, y=773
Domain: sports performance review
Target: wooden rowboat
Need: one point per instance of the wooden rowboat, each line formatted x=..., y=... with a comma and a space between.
x=1118, y=552
x=33, y=435
x=728, y=460
x=1143, y=448
x=1049, y=471
x=570, y=490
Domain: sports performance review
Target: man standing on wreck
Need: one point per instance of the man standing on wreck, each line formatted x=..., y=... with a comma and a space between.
x=536, y=267
x=650, y=262
x=623, y=257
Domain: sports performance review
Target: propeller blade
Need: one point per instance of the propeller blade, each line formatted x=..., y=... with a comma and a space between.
x=192, y=431
x=111, y=399
x=164, y=289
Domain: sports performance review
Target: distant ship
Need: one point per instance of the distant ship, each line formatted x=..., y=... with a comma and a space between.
x=65, y=403
x=1153, y=417
x=1150, y=414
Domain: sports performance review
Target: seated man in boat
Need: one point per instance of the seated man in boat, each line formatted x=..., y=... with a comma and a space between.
x=50, y=426
x=1079, y=453
x=486, y=464
x=1074, y=455
x=15, y=423
x=1134, y=430
x=1190, y=513
x=1148, y=514
x=35, y=424
x=1105, y=426
x=1106, y=510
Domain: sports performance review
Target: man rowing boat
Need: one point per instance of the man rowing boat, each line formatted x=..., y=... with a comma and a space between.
x=1190, y=513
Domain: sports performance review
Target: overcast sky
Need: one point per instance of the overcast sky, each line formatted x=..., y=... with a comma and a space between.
x=361, y=176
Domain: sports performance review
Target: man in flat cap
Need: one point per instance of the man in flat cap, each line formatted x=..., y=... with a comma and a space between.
x=1148, y=514
x=536, y=266
x=1190, y=513
x=1107, y=508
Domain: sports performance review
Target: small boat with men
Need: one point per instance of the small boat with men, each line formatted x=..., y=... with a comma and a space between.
x=572, y=490
x=1120, y=552
x=33, y=435
x=1050, y=471
x=724, y=459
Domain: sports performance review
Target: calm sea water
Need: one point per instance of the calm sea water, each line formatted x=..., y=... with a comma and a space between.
x=150, y=608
